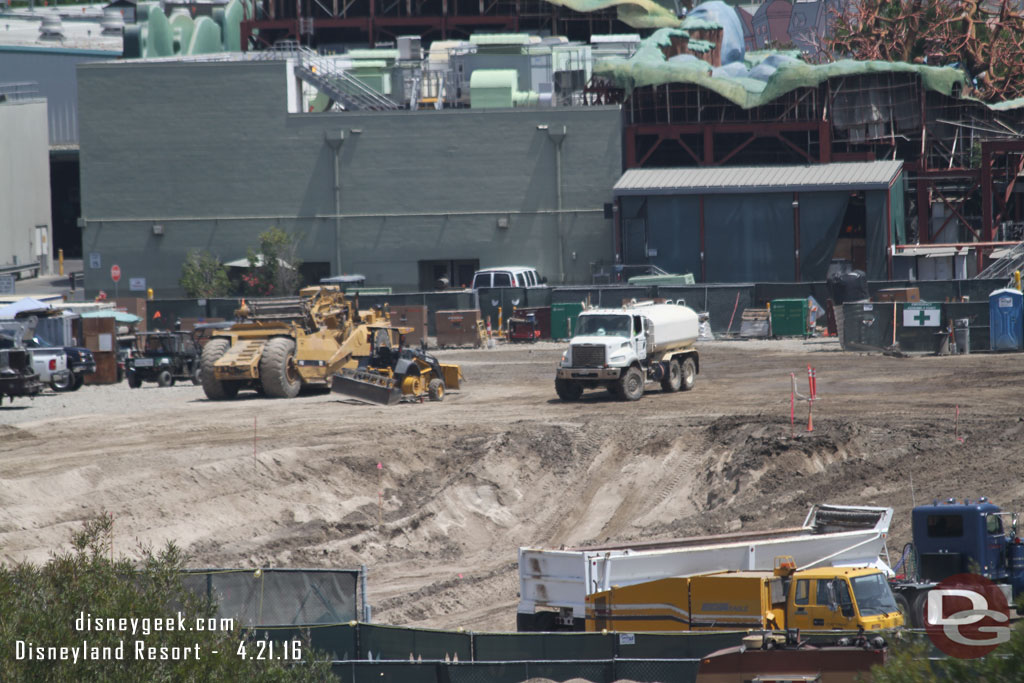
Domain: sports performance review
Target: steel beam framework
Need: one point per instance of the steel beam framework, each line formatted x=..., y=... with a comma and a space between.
x=957, y=153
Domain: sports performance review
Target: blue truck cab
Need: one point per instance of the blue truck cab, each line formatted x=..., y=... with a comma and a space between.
x=956, y=538
x=953, y=538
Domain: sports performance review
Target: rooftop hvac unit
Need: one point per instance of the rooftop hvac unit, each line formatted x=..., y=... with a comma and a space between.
x=51, y=27
x=112, y=22
x=409, y=48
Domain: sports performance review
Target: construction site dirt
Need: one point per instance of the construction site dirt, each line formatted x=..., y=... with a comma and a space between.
x=464, y=482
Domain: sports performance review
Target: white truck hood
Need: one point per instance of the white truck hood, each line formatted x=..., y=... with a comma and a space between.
x=611, y=342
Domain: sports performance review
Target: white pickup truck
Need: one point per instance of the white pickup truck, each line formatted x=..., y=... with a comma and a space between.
x=622, y=349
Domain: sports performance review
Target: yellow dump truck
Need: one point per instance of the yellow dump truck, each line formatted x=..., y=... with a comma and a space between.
x=813, y=599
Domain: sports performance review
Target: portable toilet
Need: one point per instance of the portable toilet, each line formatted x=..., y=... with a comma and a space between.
x=1005, y=307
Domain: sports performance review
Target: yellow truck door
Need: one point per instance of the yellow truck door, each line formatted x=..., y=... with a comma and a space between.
x=814, y=606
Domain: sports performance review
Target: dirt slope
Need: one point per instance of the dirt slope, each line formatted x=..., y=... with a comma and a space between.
x=503, y=464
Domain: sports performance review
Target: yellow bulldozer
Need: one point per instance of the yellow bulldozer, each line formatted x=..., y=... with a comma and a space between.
x=279, y=345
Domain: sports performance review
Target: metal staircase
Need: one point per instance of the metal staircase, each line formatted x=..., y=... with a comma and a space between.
x=324, y=74
x=1004, y=267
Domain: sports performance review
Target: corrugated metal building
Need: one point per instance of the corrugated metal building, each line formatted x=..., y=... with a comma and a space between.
x=192, y=154
x=760, y=223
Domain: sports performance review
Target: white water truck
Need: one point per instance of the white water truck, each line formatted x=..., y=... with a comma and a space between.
x=624, y=349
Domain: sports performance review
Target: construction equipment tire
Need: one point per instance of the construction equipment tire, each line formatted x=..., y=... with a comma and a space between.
x=197, y=374
x=673, y=378
x=278, y=373
x=689, y=378
x=435, y=390
x=215, y=389
x=133, y=380
x=164, y=379
x=631, y=384
x=568, y=390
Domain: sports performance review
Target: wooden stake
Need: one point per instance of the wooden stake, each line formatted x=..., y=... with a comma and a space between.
x=380, y=494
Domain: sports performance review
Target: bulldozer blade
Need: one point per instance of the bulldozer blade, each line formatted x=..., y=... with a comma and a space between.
x=366, y=386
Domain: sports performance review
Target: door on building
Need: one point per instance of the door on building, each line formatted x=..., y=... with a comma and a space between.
x=635, y=233
x=852, y=243
x=458, y=273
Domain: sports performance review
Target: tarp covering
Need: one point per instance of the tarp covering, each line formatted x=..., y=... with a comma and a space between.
x=635, y=13
x=22, y=305
x=649, y=66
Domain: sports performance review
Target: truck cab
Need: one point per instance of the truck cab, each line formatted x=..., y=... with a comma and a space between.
x=841, y=598
x=951, y=538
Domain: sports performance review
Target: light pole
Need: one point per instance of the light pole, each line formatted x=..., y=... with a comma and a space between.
x=557, y=135
x=334, y=140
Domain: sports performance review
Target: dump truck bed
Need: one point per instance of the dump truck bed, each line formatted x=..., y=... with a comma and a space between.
x=832, y=535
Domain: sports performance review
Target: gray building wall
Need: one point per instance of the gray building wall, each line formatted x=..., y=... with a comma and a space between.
x=53, y=70
x=210, y=152
x=24, y=183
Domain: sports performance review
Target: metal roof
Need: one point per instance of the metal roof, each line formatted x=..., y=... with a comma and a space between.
x=866, y=175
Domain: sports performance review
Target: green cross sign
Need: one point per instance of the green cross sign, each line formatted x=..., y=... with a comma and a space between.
x=918, y=315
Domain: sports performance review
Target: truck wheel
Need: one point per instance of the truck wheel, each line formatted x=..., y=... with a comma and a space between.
x=79, y=381
x=917, y=608
x=568, y=390
x=631, y=384
x=673, y=379
x=904, y=608
x=66, y=384
x=164, y=378
x=689, y=378
x=435, y=390
x=215, y=389
x=133, y=380
x=278, y=375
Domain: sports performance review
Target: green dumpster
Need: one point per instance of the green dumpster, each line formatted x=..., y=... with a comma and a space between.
x=789, y=317
x=563, y=319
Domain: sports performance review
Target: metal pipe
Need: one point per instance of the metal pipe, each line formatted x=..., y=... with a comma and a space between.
x=318, y=216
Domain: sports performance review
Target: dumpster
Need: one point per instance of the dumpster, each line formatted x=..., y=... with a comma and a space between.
x=563, y=319
x=1005, y=307
x=789, y=317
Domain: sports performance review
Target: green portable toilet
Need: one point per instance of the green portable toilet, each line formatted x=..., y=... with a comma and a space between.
x=789, y=317
x=563, y=319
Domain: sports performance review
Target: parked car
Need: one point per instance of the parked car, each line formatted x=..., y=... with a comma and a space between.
x=508, y=276
x=164, y=358
x=17, y=376
x=65, y=366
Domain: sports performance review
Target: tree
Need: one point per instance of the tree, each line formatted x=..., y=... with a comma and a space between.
x=274, y=267
x=203, y=276
x=909, y=662
x=985, y=39
x=40, y=605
